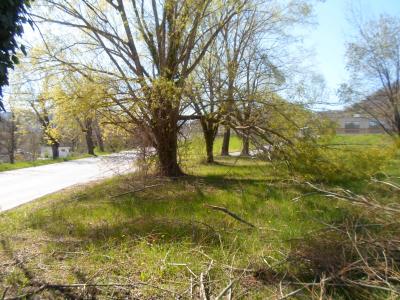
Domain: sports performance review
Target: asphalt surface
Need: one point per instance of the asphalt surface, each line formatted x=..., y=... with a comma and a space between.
x=24, y=185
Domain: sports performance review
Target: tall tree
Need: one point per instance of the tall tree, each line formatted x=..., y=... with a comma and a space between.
x=373, y=59
x=149, y=48
x=43, y=109
x=259, y=79
x=79, y=99
x=236, y=37
x=268, y=23
x=8, y=136
x=13, y=16
x=208, y=95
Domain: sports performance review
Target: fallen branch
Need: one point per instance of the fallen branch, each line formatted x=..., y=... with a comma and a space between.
x=233, y=215
x=228, y=288
x=391, y=184
x=27, y=295
x=135, y=191
x=291, y=294
x=303, y=196
x=354, y=198
x=85, y=285
x=4, y=293
x=204, y=292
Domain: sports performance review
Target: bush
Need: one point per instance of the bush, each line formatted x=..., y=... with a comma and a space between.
x=325, y=163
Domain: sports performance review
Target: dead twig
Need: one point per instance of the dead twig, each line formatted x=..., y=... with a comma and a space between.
x=391, y=184
x=354, y=198
x=233, y=215
x=26, y=295
x=4, y=293
x=292, y=293
x=204, y=291
x=85, y=285
x=228, y=288
x=135, y=191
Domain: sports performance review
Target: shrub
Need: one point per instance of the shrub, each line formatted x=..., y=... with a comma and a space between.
x=326, y=163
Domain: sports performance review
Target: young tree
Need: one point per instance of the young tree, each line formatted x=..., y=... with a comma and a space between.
x=78, y=98
x=373, y=59
x=29, y=133
x=99, y=134
x=43, y=109
x=207, y=96
x=265, y=23
x=236, y=37
x=259, y=79
x=149, y=48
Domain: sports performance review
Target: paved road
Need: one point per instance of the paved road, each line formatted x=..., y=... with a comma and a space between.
x=21, y=186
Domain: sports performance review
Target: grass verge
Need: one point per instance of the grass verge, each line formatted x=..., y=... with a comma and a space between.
x=28, y=164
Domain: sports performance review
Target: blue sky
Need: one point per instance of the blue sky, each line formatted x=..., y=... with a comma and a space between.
x=329, y=36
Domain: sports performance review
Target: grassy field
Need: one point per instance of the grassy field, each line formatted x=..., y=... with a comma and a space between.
x=151, y=238
x=362, y=139
x=235, y=144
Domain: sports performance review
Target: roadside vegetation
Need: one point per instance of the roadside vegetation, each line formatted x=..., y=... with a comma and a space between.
x=36, y=163
x=241, y=225
x=41, y=162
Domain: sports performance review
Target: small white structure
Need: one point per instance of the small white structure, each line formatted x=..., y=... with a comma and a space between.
x=5, y=116
x=47, y=152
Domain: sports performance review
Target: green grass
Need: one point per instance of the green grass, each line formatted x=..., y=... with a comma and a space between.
x=36, y=163
x=362, y=139
x=165, y=235
x=235, y=144
x=194, y=150
x=85, y=234
x=380, y=141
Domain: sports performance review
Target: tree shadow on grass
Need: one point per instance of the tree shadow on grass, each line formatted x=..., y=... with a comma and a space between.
x=153, y=229
x=168, y=212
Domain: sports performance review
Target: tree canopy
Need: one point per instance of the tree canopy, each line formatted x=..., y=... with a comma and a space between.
x=13, y=17
x=373, y=59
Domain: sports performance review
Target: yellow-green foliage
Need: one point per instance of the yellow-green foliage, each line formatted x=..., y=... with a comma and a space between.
x=78, y=98
x=162, y=92
x=309, y=147
x=329, y=163
x=283, y=121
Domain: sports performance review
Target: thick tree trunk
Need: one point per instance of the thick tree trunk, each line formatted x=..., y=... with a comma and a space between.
x=246, y=146
x=210, y=130
x=99, y=137
x=13, y=142
x=11, y=156
x=100, y=141
x=89, y=137
x=165, y=132
x=54, y=149
x=209, y=147
x=397, y=120
x=225, y=142
x=167, y=151
x=230, y=103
